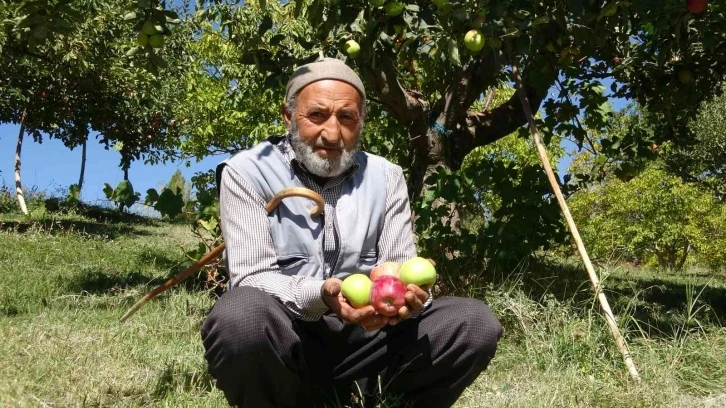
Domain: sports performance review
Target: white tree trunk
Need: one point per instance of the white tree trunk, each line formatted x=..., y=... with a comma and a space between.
x=18, y=149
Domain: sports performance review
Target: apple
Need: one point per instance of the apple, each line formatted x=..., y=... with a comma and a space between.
x=394, y=8
x=148, y=28
x=418, y=271
x=352, y=48
x=441, y=3
x=444, y=10
x=474, y=40
x=479, y=22
x=696, y=6
x=357, y=289
x=142, y=40
x=685, y=75
x=386, y=269
x=387, y=295
x=156, y=40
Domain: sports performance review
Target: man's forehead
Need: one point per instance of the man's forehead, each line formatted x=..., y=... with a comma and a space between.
x=326, y=91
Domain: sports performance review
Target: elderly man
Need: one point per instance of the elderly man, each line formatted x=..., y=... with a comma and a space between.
x=283, y=335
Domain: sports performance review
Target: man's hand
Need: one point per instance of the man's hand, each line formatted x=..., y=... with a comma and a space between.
x=415, y=299
x=366, y=316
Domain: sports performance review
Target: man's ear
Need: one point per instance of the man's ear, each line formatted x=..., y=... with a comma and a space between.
x=286, y=115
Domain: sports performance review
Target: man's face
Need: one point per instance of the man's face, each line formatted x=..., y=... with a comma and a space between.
x=326, y=127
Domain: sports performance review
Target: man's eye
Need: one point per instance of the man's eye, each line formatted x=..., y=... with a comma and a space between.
x=316, y=115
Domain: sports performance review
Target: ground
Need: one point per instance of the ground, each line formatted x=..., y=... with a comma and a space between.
x=65, y=281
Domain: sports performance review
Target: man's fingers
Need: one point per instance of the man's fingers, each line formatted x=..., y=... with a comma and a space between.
x=331, y=289
x=374, y=322
x=420, y=293
x=352, y=315
x=413, y=301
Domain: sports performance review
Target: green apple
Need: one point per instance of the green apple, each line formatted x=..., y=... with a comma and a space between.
x=149, y=28
x=352, y=48
x=394, y=8
x=156, y=40
x=142, y=40
x=418, y=271
x=444, y=10
x=474, y=40
x=357, y=289
x=685, y=75
x=441, y=3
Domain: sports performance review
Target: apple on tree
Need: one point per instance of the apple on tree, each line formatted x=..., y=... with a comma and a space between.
x=156, y=40
x=394, y=8
x=142, y=39
x=696, y=6
x=352, y=48
x=474, y=40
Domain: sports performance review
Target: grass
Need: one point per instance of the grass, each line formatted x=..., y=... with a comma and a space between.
x=66, y=280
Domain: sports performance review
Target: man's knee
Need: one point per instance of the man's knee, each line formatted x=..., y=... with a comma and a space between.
x=237, y=320
x=477, y=325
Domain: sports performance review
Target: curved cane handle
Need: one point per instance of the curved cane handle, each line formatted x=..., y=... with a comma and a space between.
x=214, y=253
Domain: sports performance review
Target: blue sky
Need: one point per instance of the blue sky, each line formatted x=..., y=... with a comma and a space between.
x=50, y=165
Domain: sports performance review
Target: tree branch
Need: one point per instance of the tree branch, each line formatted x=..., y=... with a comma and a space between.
x=489, y=126
x=405, y=107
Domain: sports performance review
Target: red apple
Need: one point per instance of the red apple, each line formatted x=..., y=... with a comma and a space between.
x=387, y=295
x=696, y=6
x=386, y=269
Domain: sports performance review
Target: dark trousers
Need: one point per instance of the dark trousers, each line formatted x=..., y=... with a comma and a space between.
x=261, y=356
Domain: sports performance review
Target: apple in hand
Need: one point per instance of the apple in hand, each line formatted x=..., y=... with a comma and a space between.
x=418, y=271
x=384, y=269
x=357, y=289
x=387, y=295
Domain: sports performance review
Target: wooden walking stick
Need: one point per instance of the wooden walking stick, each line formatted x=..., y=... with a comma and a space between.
x=619, y=340
x=214, y=253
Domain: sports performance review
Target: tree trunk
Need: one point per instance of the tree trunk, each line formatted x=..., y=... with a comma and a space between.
x=18, y=149
x=83, y=166
x=126, y=173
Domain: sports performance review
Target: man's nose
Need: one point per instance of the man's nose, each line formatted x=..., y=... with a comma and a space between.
x=331, y=132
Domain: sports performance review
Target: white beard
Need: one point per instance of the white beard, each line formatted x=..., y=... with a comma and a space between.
x=317, y=165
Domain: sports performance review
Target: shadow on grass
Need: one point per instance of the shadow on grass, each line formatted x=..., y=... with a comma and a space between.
x=96, y=280
x=161, y=259
x=660, y=304
x=177, y=378
x=61, y=226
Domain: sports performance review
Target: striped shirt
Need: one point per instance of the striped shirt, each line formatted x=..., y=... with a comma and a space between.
x=251, y=257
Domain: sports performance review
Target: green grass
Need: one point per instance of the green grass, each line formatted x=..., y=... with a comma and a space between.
x=65, y=282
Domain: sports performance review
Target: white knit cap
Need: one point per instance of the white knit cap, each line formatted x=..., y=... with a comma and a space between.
x=325, y=68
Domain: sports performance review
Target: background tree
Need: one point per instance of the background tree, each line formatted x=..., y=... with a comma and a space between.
x=65, y=65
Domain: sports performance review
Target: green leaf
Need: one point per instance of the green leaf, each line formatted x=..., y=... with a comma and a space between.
x=107, y=190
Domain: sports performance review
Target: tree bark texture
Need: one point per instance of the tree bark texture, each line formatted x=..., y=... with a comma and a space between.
x=18, y=150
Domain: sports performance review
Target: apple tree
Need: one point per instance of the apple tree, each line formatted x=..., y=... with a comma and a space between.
x=431, y=66
x=67, y=72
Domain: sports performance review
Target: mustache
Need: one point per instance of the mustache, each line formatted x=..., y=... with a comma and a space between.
x=320, y=142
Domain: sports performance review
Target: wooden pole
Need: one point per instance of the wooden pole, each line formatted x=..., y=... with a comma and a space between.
x=214, y=253
x=609, y=318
